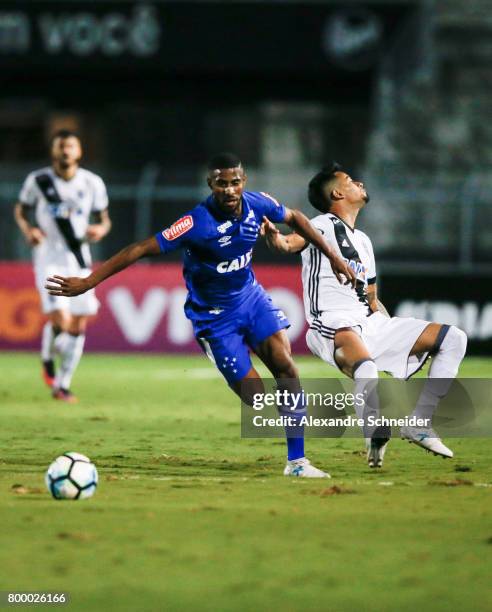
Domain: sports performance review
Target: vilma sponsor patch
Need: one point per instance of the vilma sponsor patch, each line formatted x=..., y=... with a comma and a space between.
x=177, y=229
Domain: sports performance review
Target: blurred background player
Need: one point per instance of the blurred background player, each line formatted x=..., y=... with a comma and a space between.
x=53, y=213
x=230, y=312
x=350, y=329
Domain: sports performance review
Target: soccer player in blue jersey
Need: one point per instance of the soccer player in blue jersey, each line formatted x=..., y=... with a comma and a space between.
x=230, y=312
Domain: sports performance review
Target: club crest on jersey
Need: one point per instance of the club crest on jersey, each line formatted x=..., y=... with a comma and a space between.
x=267, y=195
x=60, y=211
x=358, y=268
x=234, y=264
x=177, y=229
x=222, y=229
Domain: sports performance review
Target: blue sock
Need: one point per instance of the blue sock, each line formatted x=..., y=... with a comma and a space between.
x=295, y=448
x=295, y=433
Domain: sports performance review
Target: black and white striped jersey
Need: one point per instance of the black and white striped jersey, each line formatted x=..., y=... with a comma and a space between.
x=322, y=291
x=63, y=208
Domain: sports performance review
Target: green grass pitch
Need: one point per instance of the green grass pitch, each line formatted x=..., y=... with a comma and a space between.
x=190, y=517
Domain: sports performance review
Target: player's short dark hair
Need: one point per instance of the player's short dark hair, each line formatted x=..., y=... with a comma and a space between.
x=224, y=160
x=317, y=195
x=63, y=133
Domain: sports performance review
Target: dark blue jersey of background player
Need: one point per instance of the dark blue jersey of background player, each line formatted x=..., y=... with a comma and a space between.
x=230, y=313
x=218, y=248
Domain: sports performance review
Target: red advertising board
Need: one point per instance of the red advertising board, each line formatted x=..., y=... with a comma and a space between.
x=141, y=309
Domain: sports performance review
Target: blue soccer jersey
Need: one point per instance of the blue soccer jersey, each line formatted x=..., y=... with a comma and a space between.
x=218, y=250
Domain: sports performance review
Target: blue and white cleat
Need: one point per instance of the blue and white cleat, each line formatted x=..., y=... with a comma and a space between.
x=302, y=468
x=426, y=438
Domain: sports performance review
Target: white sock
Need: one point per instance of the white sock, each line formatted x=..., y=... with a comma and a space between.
x=366, y=382
x=449, y=355
x=73, y=349
x=444, y=368
x=60, y=342
x=47, y=342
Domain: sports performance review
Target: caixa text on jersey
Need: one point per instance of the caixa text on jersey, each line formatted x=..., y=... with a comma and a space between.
x=235, y=264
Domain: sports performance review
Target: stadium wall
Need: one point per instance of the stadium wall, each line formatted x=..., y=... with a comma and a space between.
x=142, y=308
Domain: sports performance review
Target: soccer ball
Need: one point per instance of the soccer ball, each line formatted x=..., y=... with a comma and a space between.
x=71, y=476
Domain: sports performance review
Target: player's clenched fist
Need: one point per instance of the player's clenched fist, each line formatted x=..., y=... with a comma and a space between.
x=34, y=236
x=95, y=232
x=66, y=286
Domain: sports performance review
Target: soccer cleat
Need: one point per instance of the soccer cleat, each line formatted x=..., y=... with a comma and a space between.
x=65, y=395
x=303, y=469
x=376, y=446
x=426, y=438
x=376, y=449
x=48, y=372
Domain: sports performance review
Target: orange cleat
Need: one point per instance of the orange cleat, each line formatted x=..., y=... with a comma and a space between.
x=48, y=373
x=65, y=395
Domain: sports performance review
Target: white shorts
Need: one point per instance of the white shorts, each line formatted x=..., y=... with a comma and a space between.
x=82, y=305
x=388, y=340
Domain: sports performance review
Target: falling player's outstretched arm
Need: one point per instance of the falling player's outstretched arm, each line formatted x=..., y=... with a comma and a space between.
x=71, y=286
x=305, y=233
x=374, y=303
x=372, y=290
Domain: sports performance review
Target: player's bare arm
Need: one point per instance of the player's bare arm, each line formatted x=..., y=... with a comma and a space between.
x=304, y=233
x=291, y=243
x=72, y=286
x=102, y=226
x=374, y=303
x=32, y=234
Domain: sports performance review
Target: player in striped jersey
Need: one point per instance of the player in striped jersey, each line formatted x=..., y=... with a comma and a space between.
x=350, y=329
x=53, y=213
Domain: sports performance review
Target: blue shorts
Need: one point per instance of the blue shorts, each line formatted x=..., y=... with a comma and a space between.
x=228, y=338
